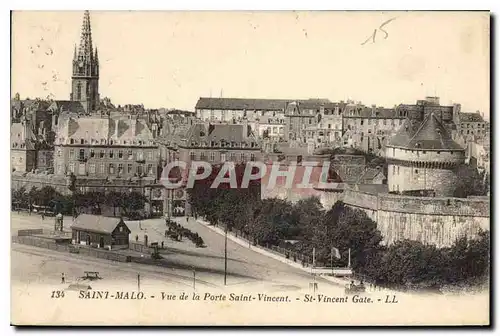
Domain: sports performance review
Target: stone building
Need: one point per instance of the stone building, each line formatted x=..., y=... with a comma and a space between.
x=23, y=147
x=472, y=124
x=236, y=109
x=369, y=128
x=103, y=147
x=85, y=78
x=218, y=143
x=422, y=156
x=212, y=143
x=272, y=128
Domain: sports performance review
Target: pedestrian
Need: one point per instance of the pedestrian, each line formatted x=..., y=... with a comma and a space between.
x=43, y=215
x=62, y=278
x=162, y=245
x=136, y=238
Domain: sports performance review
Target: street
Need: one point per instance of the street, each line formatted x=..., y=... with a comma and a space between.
x=247, y=269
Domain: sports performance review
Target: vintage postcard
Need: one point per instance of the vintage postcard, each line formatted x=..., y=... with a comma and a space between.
x=292, y=168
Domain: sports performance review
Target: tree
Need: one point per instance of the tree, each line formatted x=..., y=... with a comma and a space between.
x=19, y=198
x=273, y=221
x=114, y=200
x=412, y=264
x=132, y=202
x=345, y=228
x=470, y=182
x=468, y=259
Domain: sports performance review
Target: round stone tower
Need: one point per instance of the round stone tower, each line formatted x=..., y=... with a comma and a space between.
x=423, y=158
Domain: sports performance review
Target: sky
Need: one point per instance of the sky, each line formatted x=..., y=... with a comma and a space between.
x=170, y=59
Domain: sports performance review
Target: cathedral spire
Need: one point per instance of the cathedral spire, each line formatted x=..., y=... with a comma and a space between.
x=85, y=78
x=85, y=50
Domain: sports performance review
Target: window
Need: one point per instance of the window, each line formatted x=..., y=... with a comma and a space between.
x=82, y=142
x=212, y=156
x=232, y=157
x=203, y=156
x=130, y=156
x=192, y=156
x=150, y=155
x=129, y=168
x=101, y=168
x=139, y=156
x=120, y=153
x=223, y=157
x=120, y=168
x=139, y=170
x=92, y=153
x=82, y=154
x=92, y=168
x=71, y=153
x=71, y=141
x=252, y=157
x=416, y=171
x=78, y=91
x=72, y=167
x=111, y=153
x=150, y=169
x=243, y=157
x=398, y=170
x=59, y=152
x=102, y=153
x=394, y=169
x=111, y=168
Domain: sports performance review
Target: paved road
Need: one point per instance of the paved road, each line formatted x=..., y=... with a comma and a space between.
x=246, y=268
x=242, y=260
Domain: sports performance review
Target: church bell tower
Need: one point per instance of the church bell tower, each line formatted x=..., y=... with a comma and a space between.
x=85, y=78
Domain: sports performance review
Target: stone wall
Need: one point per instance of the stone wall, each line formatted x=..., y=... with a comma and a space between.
x=438, y=221
x=404, y=178
x=30, y=180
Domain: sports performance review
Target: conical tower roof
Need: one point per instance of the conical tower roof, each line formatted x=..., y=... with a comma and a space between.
x=429, y=134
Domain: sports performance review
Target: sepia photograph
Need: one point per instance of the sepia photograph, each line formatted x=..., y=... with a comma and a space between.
x=250, y=168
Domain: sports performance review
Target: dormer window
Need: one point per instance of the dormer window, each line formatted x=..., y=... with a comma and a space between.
x=72, y=141
x=212, y=143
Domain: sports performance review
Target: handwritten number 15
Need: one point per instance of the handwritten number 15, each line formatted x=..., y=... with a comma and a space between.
x=381, y=28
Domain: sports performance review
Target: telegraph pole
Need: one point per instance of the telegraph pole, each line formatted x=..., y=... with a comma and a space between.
x=225, y=257
x=194, y=279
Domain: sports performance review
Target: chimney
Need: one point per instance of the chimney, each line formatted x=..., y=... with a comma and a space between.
x=245, y=129
x=133, y=125
x=117, y=121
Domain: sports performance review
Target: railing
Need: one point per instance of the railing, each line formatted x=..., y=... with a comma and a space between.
x=306, y=260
